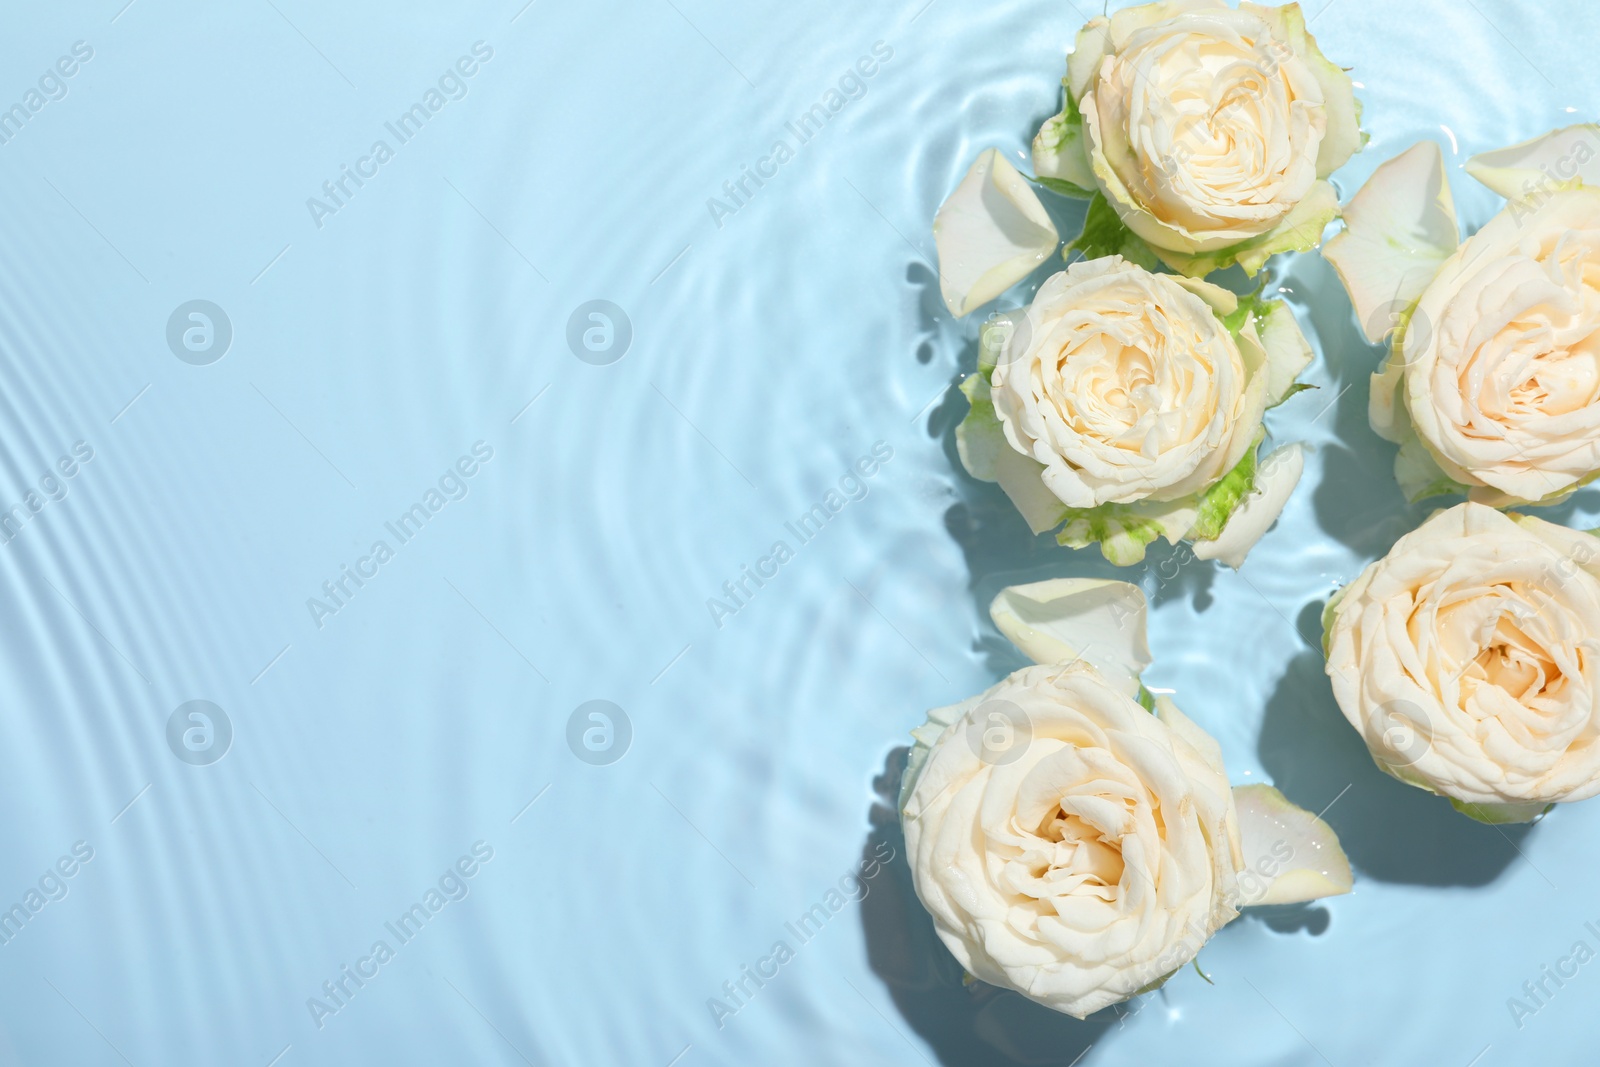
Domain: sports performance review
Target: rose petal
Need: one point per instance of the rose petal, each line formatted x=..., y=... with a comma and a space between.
x=991, y=233
x=1099, y=621
x=1061, y=152
x=1300, y=230
x=1223, y=301
x=1399, y=228
x=1288, y=351
x=1342, y=138
x=1535, y=168
x=1290, y=855
x=1022, y=479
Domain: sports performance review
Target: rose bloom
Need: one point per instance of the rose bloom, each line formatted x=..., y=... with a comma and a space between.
x=1492, y=385
x=1209, y=130
x=1501, y=378
x=1088, y=862
x=1126, y=386
x=1469, y=660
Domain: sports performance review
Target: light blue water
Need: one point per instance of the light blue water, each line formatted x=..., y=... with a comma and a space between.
x=375, y=747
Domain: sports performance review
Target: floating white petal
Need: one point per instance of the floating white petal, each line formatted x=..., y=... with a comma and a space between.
x=1399, y=228
x=1290, y=855
x=991, y=233
x=1099, y=621
x=1534, y=169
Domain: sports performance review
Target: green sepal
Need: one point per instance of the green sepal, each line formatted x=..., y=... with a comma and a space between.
x=1218, y=503
x=1104, y=234
x=1064, y=187
x=1251, y=305
x=1121, y=532
x=1151, y=987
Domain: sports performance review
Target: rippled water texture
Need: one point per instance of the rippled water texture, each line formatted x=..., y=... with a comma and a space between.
x=411, y=740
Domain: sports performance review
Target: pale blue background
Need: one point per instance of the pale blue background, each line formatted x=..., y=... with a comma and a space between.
x=768, y=354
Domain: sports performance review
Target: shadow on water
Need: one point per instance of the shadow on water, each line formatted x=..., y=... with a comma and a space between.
x=1391, y=831
x=1357, y=501
x=1310, y=918
x=965, y=1024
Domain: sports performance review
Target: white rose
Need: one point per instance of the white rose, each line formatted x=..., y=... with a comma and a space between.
x=1123, y=387
x=1094, y=864
x=1071, y=844
x=1493, y=381
x=1469, y=660
x=1209, y=130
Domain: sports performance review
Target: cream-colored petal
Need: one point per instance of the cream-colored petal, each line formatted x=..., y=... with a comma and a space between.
x=1091, y=49
x=1532, y=170
x=1022, y=479
x=925, y=737
x=1385, y=410
x=1288, y=351
x=1342, y=137
x=1061, y=151
x=1399, y=228
x=991, y=233
x=1099, y=621
x=1185, y=727
x=1223, y=301
x=1300, y=230
x=1290, y=855
x=1276, y=478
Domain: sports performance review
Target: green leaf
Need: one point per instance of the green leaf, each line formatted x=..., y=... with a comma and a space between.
x=1070, y=112
x=1250, y=305
x=1105, y=235
x=1147, y=699
x=1202, y=974
x=1064, y=187
x=1219, y=502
